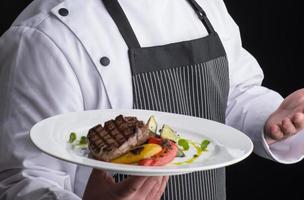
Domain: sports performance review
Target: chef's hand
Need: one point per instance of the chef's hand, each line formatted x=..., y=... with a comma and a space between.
x=287, y=120
x=101, y=186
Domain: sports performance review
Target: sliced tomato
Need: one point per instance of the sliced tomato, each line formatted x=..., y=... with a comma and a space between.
x=164, y=157
x=155, y=140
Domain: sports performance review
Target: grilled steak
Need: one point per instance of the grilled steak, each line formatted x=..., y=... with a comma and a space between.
x=117, y=137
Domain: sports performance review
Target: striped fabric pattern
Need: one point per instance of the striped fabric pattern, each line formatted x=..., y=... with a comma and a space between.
x=199, y=90
x=185, y=90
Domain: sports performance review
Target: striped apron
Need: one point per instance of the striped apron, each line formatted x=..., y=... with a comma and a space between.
x=190, y=78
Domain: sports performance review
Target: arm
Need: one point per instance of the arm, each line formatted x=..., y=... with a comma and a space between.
x=249, y=104
x=36, y=82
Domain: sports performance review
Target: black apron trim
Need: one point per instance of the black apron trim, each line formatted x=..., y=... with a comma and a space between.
x=122, y=22
x=168, y=56
x=202, y=15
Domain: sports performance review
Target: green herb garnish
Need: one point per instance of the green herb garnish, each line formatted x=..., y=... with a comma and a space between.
x=83, y=140
x=184, y=143
x=204, y=145
x=73, y=137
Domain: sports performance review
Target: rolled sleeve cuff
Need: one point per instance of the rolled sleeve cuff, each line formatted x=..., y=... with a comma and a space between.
x=288, y=151
x=256, y=116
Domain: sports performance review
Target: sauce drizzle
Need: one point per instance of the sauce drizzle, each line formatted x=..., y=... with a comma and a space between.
x=199, y=151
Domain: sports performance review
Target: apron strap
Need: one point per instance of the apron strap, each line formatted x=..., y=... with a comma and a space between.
x=124, y=26
x=202, y=15
x=122, y=23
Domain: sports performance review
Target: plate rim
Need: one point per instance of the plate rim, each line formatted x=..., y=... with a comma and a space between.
x=126, y=169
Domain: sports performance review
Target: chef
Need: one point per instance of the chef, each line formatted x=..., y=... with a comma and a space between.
x=180, y=56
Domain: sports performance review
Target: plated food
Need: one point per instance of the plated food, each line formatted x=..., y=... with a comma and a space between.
x=116, y=137
x=202, y=144
x=127, y=140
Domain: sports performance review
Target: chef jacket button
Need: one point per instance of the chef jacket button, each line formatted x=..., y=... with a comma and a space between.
x=105, y=61
x=63, y=12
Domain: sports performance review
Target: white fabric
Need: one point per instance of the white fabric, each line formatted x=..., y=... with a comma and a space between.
x=49, y=64
x=287, y=151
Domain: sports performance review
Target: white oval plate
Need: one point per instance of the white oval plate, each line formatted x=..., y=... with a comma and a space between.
x=228, y=145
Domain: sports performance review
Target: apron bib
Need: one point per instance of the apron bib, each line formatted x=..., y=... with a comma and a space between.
x=190, y=78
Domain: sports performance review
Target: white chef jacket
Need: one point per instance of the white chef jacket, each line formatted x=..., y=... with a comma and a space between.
x=50, y=64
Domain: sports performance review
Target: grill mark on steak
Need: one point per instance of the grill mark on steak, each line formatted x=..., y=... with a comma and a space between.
x=95, y=135
x=116, y=137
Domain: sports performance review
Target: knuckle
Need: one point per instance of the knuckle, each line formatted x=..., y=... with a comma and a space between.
x=287, y=130
x=277, y=135
x=285, y=126
x=288, y=127
x=298, y=116
x=299, y=119
x=286, y=122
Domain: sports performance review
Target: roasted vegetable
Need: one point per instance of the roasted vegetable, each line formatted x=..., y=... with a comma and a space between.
x=152, y=124
x=167, y=133
x=168, y=153
x=204, y=145
x=180, y=153
x=139, y=153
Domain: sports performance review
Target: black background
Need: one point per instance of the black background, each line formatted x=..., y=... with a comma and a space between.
x=271, y=31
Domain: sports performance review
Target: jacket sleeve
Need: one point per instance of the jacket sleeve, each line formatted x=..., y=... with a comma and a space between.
x=249, y=103
x=36, y=82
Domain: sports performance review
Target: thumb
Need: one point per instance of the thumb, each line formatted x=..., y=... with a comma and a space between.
x=100, y=177
x=130, y=185
x=99, y=181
